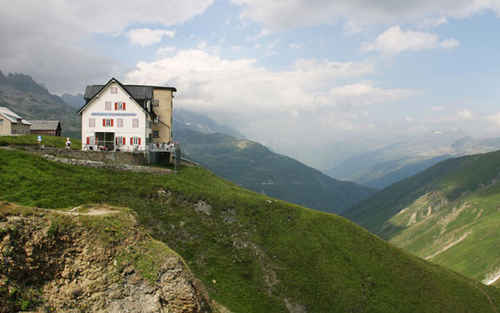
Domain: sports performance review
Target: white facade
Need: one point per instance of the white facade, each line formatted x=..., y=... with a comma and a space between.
x=113, y=119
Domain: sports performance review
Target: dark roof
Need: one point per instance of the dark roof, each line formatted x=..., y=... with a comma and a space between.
x=138, y=92
x=45, y=125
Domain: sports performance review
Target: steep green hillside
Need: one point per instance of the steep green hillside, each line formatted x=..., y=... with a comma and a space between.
x=449, y=214
x=34, y=102
x=255, y=167
x=254, y=254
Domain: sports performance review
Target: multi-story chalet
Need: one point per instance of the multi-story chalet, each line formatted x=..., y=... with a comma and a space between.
x=119, y=117
x=12, y=124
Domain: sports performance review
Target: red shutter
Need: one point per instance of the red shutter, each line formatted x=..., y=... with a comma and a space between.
x=116, y=106
x=104, y=122
x=131, y=140
x=139, y=141
x=123, y=140
x=124, y=106
x=88, y=140
x=111, y=122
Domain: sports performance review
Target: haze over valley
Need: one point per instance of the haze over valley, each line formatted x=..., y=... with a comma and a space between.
x=244, y=156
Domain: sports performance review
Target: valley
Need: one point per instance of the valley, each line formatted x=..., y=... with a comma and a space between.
x=448, y=214
x=252, y=253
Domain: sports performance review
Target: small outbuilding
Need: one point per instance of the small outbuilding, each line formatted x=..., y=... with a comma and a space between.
x=48, y=128
x=12, y=124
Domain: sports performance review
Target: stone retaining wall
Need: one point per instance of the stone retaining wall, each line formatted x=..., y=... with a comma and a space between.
x=110, y=158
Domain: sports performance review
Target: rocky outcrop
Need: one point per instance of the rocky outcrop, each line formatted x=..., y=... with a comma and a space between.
x=80, y=262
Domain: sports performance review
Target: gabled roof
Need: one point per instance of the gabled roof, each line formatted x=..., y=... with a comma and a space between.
x=11, y=116
x=97, y=90
x=45, y=125
x=140, y=93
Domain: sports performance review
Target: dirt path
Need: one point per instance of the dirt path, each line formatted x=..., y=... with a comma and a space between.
x=448, y=246
x=90, y=212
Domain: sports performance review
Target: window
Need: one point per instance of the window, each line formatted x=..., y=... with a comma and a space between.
x=120, y=141
x=90, y=140
x=135, y=123
x=156, y=134
x=1, y=122
x=114, y=90
x=135, y=140
x=107, y=105
x=107, y=122
x=91, y=122
x=119, y=122
x=120, y=106
x=150, y=124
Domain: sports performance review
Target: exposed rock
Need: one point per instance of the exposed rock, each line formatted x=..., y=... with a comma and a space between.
x=203, y=207
x=72, y=268
x=294, y=307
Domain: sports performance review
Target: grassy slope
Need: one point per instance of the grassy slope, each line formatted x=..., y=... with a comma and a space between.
x=255, y=167
x=455, y=201
x=47, y=141
x=321, y=261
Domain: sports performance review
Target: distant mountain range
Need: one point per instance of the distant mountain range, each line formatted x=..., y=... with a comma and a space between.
x=253, y=166
x=384, y=166
x=221, y=149
x=449, y=214
x=76, y=101
x=32, y=101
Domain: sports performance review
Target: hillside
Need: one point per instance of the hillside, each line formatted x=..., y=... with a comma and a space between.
x=272, y=174
x=253, y=166
x=253, y=253
x=384, y=166
x=90, y=259
x=75, y=101
x=34, y=102
x=448, y=214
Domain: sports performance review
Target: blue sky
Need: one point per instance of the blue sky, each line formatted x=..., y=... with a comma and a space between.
x=285, y=73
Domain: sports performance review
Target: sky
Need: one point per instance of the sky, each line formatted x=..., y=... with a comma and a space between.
x=317, y=80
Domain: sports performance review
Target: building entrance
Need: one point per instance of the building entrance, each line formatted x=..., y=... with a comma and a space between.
x=105, y=141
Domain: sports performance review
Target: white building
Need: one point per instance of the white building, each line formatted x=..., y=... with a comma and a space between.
x=119, y=117
x=12, y=124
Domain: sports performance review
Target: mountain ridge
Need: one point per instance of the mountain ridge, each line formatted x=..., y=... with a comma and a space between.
x=21, y=94
x=386, y=165
x=252, y=252
x=254, y=166
x=447, y=214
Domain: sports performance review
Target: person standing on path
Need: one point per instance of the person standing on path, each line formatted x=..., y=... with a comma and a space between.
x=39, y=140
x=68, y=143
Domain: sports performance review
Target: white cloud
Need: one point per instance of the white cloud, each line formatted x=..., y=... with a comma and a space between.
x=279, y=15
x=449, y=43
x=146, y=37
x=165, y=51
x=494, y=118
x=50, y=39
x=438, y=108
x=395, y=40
x=309, y=102
x=465, y=114
x=433, y=22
